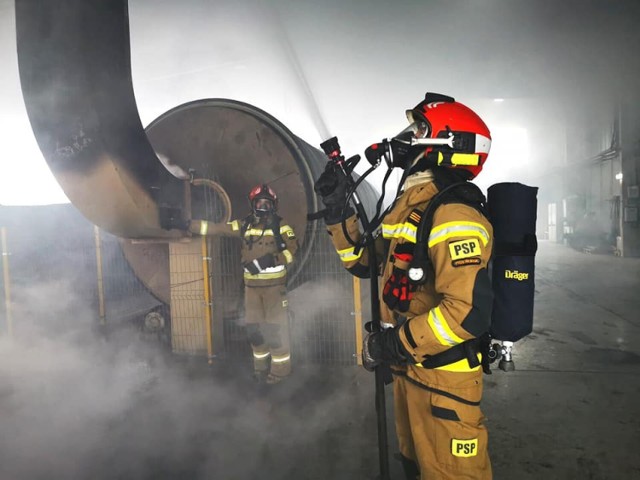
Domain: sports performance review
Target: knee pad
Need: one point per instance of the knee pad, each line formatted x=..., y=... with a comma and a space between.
x=254, y=335
x=272, y=334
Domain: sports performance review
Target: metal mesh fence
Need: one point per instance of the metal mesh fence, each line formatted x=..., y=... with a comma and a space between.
x=126, y=298
x=51, y=268
x=321, y=305
x=54, y=254
x=188, y=328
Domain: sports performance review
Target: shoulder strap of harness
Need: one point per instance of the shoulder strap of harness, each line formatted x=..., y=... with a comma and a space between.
x=460, y=192
x=469, y=194
x=246, y=223
x=275, y=227
x=465, y=193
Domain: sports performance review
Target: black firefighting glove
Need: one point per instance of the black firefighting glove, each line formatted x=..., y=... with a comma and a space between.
x=332, y=186
x=383, y=347
x=259, y=264
x=398, y=291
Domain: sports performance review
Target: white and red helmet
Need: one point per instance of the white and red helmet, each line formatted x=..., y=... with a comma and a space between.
x=262, y=192
x=453, y=134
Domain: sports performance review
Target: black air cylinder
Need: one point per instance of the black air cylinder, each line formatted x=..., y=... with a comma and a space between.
x=512, y=209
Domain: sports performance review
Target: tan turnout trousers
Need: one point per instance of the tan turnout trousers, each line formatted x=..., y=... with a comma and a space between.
x=439, y=424
x=268, y=328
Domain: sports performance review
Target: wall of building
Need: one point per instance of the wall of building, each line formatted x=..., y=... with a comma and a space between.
x=630, y=168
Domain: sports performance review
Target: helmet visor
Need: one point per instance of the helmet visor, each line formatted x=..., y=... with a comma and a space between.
x=263, y=205
x=417, y=129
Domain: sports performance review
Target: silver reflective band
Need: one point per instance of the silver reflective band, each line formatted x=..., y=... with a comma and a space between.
x=460, y=229
x=284, y=358
x=204, y=226
x=261, y=355
x=404, y=230
x=441, y=330
x=348, y=254
x=276, y=269
x=483, y=144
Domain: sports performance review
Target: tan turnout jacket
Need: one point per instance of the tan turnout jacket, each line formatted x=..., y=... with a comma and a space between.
x=455, y=303
x=257, y=240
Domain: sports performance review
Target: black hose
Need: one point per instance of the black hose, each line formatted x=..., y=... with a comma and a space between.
x=369, y=241
x=380, y=402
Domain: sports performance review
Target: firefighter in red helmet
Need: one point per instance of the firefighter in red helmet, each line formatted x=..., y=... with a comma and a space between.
x=436, y=295
x=268, y=249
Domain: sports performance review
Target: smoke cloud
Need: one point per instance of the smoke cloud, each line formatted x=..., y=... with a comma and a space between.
x=76, y=402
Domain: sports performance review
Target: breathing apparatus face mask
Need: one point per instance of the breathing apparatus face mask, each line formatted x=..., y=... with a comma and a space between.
x=404, y=150
x=396, y=152
x=411, y=144
x=449, y=148
x=417, y=129
x=262, y=207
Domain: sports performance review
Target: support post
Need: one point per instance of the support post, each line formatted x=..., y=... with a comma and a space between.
x=357, y=315
x=7, y=281
x=101, y=309
x=207, y=298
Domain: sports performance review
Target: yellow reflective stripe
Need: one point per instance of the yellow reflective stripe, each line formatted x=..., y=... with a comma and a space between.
x=256, y=231
x=264, y=276
x=459, y=366
x=460, y=159
x=280, y=358
x=441, y=329
x=204, y=226
x=235, y=226
x=348, y=255
x=267, y=231
x=287, y=255
x=458, y=229
x=400, y=230
x=260, y=356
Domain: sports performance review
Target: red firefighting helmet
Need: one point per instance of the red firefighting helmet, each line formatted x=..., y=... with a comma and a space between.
x=259, y=192
x=455, y=136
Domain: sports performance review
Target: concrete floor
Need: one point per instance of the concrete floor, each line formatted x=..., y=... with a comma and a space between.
x=569, y=411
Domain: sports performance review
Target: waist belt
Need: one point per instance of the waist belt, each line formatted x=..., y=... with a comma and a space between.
x=468, y=350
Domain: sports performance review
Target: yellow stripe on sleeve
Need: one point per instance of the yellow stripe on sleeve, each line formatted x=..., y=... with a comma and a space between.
x=448, y=230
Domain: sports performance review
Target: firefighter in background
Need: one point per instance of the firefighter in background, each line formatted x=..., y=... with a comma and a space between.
x=268, y=249
x=430, y=329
